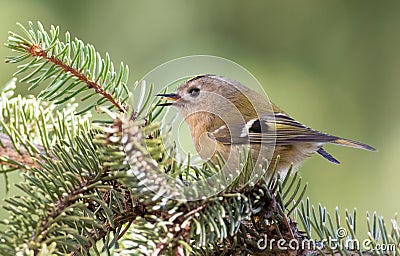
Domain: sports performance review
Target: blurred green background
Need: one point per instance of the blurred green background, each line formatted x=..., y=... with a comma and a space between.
x=333, y=65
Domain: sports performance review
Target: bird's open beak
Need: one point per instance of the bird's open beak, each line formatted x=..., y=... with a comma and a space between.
x=169, y=96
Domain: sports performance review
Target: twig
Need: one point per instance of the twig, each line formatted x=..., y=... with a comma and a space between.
x=37, y=51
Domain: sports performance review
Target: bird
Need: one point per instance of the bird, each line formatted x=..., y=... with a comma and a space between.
x=223, y=114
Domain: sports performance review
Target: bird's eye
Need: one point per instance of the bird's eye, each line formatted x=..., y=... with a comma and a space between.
x=194, y=92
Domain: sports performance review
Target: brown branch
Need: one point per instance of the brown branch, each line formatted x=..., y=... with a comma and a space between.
x=60, y=205
x=37, y=51
x=119, y=220
x=127, y=216
x=21, y=155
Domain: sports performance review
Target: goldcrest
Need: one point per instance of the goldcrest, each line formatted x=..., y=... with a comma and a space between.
x=222, y=113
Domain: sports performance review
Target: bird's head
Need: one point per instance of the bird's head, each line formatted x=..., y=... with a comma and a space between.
x=206, y=93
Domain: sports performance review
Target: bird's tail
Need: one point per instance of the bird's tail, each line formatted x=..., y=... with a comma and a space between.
x=353, y=144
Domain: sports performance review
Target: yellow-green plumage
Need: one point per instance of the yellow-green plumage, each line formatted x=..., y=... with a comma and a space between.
x=224, y=113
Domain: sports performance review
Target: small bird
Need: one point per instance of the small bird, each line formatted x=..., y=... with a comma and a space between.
x=222, y=113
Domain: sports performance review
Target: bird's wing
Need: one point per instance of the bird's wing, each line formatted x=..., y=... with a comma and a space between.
x=286, y=131
x=279, y=129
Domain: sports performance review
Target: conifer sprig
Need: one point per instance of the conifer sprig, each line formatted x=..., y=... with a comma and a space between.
x=71, y=67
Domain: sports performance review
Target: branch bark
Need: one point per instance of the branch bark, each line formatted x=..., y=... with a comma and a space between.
x=19, y=157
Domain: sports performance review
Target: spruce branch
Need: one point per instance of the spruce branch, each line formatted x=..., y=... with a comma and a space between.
x=81, y=202
x=72, y=67
x=30, y=127
x=37, y=51
x=14, y=159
